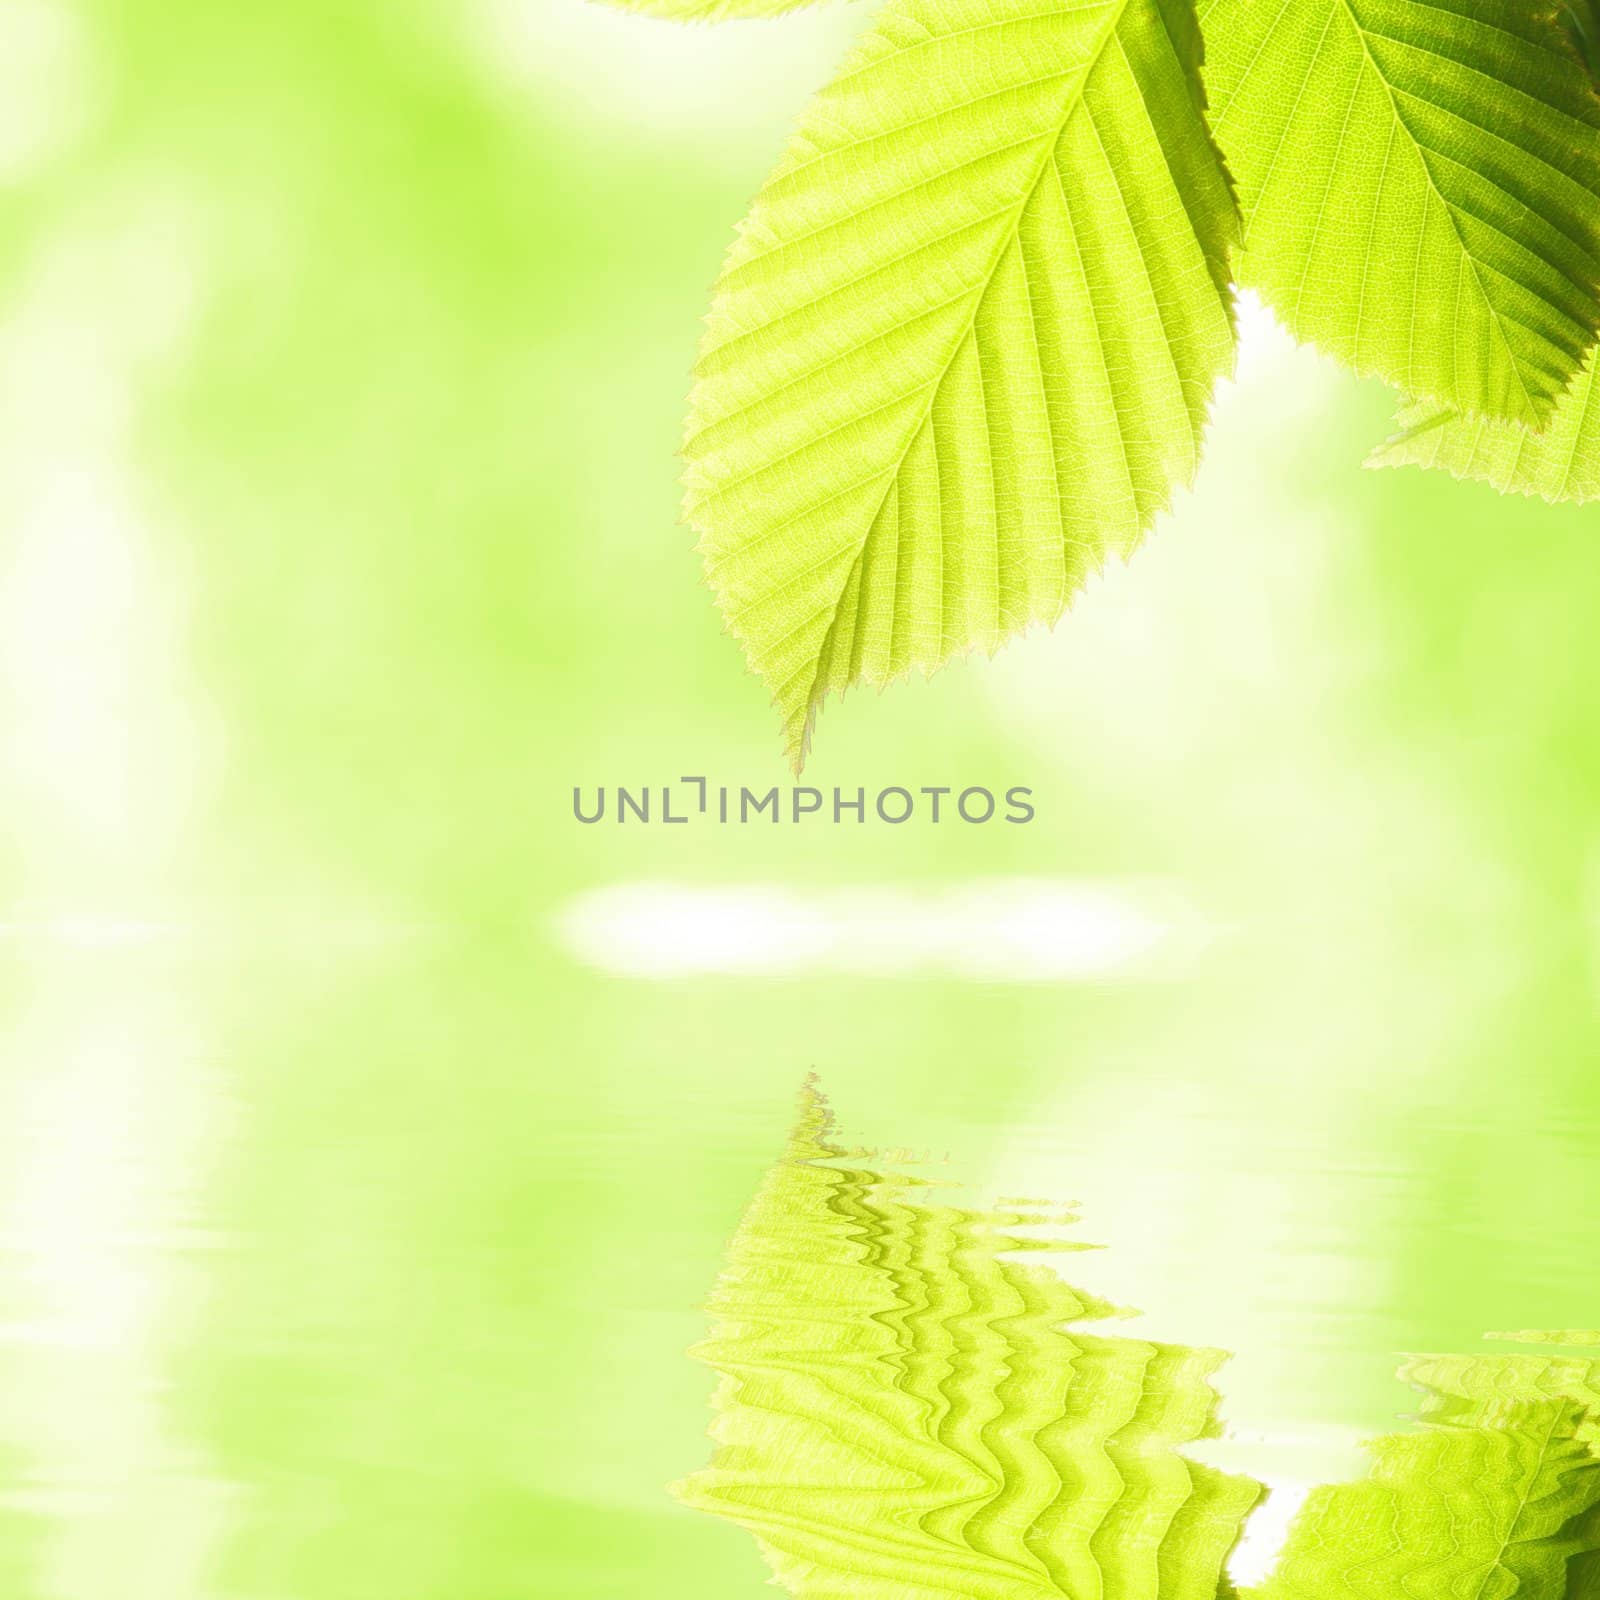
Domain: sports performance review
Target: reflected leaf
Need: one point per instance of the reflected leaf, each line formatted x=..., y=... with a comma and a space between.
x=1497, y=1494
x=905, y=1411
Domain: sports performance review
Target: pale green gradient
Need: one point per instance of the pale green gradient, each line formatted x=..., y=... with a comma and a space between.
x=355, y=1229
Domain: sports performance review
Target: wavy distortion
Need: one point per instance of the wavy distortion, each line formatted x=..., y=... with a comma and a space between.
x=904, y=1413
x=910, y=1409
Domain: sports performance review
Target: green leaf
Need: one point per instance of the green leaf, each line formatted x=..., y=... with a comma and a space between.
x=903, y=1414
x=1562, y=463
x=1582, y=20
x=965, y=344
x=1495, y=1498
x=709, y=10
x=1418, y=182
x=1479, y=1390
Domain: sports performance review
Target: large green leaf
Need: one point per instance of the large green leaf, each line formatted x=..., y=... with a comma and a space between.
x=1561, y=463
x=904, y=1413
x=965, y=344
x=1418, y=181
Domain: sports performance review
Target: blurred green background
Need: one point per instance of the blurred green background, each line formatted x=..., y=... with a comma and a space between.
x=356, y=1213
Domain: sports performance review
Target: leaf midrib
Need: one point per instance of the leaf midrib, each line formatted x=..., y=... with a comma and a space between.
x=1532, y=413
x=1115, y=13
x=1523, y=1502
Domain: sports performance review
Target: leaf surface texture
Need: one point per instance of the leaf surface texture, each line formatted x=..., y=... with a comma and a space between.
x=1494, y=1497
x=1561, y=463
x=1582, y=20
x=965, y=344
x=1418, y=182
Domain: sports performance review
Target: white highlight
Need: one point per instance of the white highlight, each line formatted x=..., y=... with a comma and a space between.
x=45, y=85
x=108, y=1118
x=1012, y=930
x=87, y=931
x=1266, y=1532
x=101, y=732
x=1291, y=1465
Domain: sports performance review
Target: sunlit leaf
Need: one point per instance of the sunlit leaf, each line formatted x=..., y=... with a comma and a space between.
x=965, y=345
x=1561, y=463
x=1496, y=1496
x=1418, y=182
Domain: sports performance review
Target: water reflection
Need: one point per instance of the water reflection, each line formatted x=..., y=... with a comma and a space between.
x=354, y=1229
x=910, y=1406
x=109, y=1137
x=111, y=1113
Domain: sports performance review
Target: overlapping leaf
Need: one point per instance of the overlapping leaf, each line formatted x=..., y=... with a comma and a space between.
x=1582, y=20
x=1418, y=181
x=1490, y=1512
x=1483, y=1390
x=1561, y=463
x=904, y=1416
x=964, y=346
x=1499, y=1494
